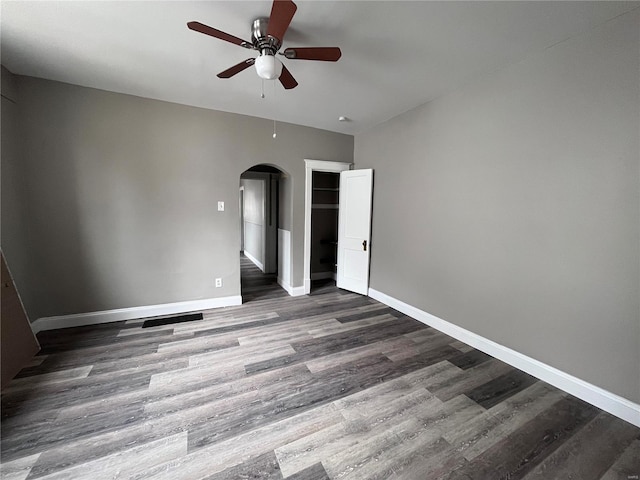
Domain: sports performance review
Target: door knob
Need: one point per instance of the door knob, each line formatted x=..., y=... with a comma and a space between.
x=364, y=245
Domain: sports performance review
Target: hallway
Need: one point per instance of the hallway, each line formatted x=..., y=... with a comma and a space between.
x=255, y=285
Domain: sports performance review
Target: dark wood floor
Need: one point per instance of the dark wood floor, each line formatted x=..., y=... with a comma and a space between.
x=332, y=385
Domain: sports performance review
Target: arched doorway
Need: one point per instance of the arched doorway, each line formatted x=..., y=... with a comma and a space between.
x=265, y=230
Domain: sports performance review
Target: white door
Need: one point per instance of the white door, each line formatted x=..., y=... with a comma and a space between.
x=354, y=230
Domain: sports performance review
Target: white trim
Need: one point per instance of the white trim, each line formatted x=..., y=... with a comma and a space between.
x=284, y=256
x=297, y=291
x=254, y=260
x=241, y=209
x=326, y=165
x=607, y=401
x=293, y=291
x=310, y=167
x=106, y=316
x=284, y=284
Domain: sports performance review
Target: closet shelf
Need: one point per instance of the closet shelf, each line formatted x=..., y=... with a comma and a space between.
x=333, y=206
x=332, y=261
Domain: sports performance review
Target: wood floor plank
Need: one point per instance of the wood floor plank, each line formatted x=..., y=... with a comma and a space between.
x=421, y=345
x=518, y=453
x=192, y=345
x=314, y=472
x=310, y=391
x=176, y=380
x=381, y=412
x=372, y=311
x=591, y=452
x=330, y=385
x=218, y=457
x=95, y=355
x=432, y=465
x=263, y=467
x=100, y=406
x=463, y=347
x=475, y=436
x=72, y=392
x=627, y=465
x=402, y=458
x=18, y=469
x=466, y=380
x=57, y=433
x=241, y=355
x=381, y=454
x=469, y=359
x=219, y=390
x=134, y=461
x=78, y=448
x=338, y=327
x=384, y=347
x=500, y=388
x=43, y=379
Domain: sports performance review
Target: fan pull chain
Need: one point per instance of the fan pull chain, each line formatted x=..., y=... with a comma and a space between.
x=262, y=94
x=274, y=109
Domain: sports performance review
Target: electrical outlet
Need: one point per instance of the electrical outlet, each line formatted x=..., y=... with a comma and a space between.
x=218, y=282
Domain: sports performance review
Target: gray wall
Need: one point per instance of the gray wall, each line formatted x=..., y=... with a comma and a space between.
x=511, y=207
x=123, y=194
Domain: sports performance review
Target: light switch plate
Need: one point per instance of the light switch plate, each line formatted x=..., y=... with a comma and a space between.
x=221, y=206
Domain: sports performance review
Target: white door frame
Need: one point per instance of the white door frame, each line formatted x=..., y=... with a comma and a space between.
x=241, y=219
x=310, y=167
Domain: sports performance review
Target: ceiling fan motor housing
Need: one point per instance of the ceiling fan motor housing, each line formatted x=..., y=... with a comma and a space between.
x=262, y=42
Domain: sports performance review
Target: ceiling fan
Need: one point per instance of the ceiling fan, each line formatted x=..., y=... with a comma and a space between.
x=266, y=37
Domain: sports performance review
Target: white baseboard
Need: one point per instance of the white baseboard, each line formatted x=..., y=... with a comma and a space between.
x=297, y=292
x=256, y=262
x=293, y=291
x=607, y=401
x=106, y=316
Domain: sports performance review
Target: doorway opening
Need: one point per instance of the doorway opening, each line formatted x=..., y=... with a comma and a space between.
x=325, y=201
x=322, y=198
x=263, y=259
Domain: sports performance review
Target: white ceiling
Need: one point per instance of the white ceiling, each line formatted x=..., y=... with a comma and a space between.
x=395, y=55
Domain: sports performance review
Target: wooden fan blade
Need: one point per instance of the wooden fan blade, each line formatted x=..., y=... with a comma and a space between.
x=230, y=72
x=202, y=28
x=287, y=80
x=326, y=54
x=282, y=12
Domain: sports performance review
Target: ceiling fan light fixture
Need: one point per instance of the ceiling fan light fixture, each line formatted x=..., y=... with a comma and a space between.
x=266, y=38
x=268, y=67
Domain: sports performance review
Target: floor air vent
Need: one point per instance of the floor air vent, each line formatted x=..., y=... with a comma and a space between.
x=154, y=322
